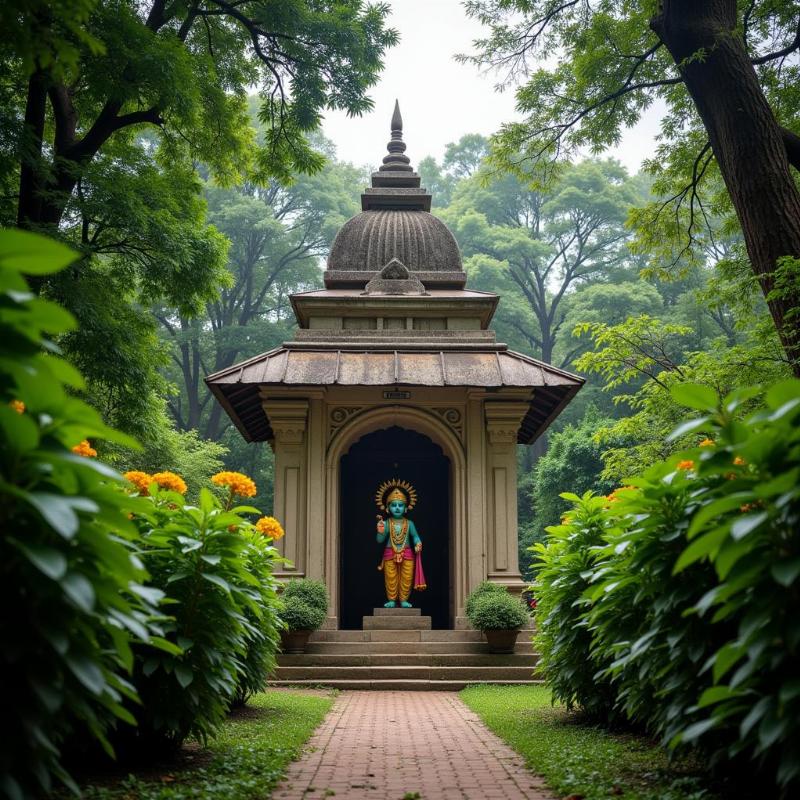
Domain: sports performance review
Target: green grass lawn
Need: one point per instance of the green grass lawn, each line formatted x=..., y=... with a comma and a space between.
x=245, y=761
x=578, y=759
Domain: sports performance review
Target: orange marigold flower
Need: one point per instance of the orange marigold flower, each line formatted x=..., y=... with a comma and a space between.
x=171, y=481
x=141, y=480
x=686, y=464
x=84, y=449
x=750, y=506
x=739, y=461
x=18, y=406
x=707, y=442
x=237, y=483
x=269, y=526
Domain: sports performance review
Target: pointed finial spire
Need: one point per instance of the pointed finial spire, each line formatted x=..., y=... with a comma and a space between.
x=396, y=161
x=397, y=120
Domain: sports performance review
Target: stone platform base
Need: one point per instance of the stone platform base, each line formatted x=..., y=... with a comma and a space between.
x=398, y=650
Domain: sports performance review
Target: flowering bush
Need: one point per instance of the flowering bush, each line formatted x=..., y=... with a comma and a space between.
x=237, y=484
x=263, y=631
x=269, y=526
x=170, y=481
x=223, y=606
x=690, y=607
x=70, y=586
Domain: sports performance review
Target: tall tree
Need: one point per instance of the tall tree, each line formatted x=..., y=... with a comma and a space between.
x=183, y=68
x=277, y=236
x=543, y=245
x=727, y=72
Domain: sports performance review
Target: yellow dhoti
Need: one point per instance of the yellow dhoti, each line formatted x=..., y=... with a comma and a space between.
x=398, y=577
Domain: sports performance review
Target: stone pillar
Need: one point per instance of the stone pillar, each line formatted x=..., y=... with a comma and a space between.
x=471, y=565
x=316, y=499
x=502, y=424
x=289, y=422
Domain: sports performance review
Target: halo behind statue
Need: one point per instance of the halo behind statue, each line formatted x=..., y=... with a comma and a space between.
x=393, y=485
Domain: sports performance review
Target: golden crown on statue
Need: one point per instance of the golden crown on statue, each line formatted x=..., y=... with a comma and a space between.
x=395, y=489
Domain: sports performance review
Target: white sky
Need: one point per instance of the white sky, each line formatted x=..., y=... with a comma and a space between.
x=441, y=99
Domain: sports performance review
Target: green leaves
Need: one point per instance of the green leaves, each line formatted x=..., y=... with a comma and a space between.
x=222, y=597
x=30, y=254
x=695, y=395
x=66, y=555
x=655, y=562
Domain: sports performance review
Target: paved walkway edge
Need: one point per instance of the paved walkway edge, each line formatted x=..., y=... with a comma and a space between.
x=422, y=745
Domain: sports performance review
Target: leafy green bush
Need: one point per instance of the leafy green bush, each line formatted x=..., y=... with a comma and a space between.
x=498, y=611
x=654, y=650
x=263, y=635
x=199, y=556
x=563, y=568
x=691, y=608
x=298, y=615
x=312, y=592
x=747, y=527
x=70, y=585
x=483, y=588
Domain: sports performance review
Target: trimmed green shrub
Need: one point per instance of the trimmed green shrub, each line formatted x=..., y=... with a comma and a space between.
x=563, y=570
x=312, y=592
x=483, y=588
x=498, y=611
x=199, y=556
x=70, y=585
x=298, y=615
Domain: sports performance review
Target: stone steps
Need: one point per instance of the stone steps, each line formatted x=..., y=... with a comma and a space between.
x=327, y=659
x=398, y=650
x=398, y=636
x=433, y=648
x=403, y=685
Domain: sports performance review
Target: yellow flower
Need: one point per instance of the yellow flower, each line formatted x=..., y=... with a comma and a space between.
x=739, y=461
x=84, y=449
x=707, y=442
x=686, y=464
x=751, y=506
x=269, y=526
x=237, y=483
x=171, y=481
x=614, y=496
x=141, y=480
x=18, y=406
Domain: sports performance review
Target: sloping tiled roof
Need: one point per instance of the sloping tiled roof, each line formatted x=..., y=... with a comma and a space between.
x=237, y=387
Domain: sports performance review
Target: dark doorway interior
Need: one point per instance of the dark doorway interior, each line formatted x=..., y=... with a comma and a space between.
x=377, y=457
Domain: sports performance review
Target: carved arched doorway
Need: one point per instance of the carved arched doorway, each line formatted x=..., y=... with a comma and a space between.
x=376, y=457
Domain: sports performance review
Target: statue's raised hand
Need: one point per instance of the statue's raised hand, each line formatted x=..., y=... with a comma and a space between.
x=381, y=526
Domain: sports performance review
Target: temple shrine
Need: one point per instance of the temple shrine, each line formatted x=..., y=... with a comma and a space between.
x=394, y=374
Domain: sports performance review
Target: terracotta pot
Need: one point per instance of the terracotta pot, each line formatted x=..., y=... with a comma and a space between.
x=501, y=640
x=294, y=641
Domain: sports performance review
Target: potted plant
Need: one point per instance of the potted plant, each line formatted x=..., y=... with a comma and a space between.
x=500, y=616
x=305, y=607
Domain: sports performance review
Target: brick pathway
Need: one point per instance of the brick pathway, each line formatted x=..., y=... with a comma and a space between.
x=384, y=745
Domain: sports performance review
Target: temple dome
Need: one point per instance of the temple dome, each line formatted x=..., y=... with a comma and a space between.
x=370, y=240
x=395, y=223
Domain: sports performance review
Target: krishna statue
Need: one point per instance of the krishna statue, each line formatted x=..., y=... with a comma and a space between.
x=401, y=565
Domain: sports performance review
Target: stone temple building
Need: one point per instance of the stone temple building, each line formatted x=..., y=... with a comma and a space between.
x=394, y=373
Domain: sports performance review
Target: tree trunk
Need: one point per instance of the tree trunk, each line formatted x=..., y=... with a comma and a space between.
x=746, y=140
x=29, y=204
